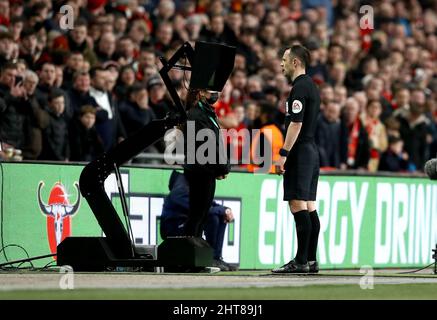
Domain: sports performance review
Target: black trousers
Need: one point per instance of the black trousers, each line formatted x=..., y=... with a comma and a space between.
x=201, y=195
x=215, y=233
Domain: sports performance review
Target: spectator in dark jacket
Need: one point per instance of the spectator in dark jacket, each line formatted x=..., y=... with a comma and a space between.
x=55, y=136
x=13, y=107
x=110, y=130
x=80, y=95
x=218, y=32
x=35, y=121
x=175, y=214
x=76, y=40
x=158, y=103
x=136, y=112
x=125, y=80
x=6, y=48
x=85, y=143
x=47, y=79
x=416, y=132
x=331, y=137
x=394, y=159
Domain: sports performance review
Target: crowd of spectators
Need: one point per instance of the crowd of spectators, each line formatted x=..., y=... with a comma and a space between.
x=71, y=94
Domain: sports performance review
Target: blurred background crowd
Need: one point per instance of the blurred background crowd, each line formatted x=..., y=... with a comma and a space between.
x=69, y=95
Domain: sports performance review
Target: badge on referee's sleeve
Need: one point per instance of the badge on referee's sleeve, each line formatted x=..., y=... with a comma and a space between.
x=296, y=106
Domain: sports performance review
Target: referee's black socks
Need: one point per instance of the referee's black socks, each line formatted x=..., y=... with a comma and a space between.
x=303, y=230
x=314, y=238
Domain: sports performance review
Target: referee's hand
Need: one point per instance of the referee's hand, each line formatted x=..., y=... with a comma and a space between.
x=280, y=165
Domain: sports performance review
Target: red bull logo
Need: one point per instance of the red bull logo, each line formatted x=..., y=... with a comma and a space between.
x=58, y=211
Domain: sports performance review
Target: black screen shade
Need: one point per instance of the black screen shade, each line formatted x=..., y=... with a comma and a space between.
x=213, y=64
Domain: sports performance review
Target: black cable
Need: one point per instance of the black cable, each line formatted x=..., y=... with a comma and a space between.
x=18, y=246
x=414, y=271
x=48, y=265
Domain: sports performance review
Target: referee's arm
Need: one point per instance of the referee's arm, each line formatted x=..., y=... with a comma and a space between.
x=293, y=131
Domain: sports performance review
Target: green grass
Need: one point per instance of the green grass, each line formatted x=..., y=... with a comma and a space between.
x=386, y=291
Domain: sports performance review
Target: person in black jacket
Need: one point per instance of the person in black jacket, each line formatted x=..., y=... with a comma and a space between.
x=85, y=143
x=13, y=107
x=135, y=112
x=394, y=159
x=55, y=144
x=202, y=170
x=175, y=213
x=331, y=137
x=111, y=129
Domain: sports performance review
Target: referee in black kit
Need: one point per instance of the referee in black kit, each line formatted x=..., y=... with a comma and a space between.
x=299, y=161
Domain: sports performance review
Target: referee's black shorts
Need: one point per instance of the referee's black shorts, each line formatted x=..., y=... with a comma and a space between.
x=302, y=172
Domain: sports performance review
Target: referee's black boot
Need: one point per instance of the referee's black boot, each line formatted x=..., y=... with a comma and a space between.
x=314, y=266
x=293, y=267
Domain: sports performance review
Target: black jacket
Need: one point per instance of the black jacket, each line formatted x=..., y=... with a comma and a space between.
x=392, y=162
x=110, y=130
x=133, y=117
x=331, y=139
x=203, y=116
x=13, y=112
x=414, y=136
x=56, y=145
x=85, y=144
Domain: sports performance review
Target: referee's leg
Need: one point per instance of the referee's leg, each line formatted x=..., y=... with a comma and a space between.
x=314, y=237
x=299, y=209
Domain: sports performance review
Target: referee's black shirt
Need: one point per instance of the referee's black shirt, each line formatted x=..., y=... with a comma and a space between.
x=303, y=105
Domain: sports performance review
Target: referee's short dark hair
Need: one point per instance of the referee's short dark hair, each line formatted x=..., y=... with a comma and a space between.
x=301, y=53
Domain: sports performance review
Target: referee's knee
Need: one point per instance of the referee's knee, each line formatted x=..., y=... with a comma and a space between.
x=298, y=205
x=311, y=206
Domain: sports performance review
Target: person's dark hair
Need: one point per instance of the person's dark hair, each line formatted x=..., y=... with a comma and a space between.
x=6, y=35
x=235, y=71
x=45, y=63
x=8, y=66
x=72, y=53
x=392, y=123
x=27, y=33
x=416, y=109
x=17, y=19
x=193, y=97
x=301, y=53
x=55, y=93
x=268, y=110
x=122, y=38
x=217, y=15
x=237, y=105
x=22, y=61
x=392, y=140
x=79, y=73
x=80, y=23
x=272, y=90
x=146, y=47
x=335, y=44
x=373, y=101
x=87, y=109
x=94, y=70
x=135, y=88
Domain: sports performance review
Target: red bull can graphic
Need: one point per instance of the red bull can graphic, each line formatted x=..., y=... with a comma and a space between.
x=59, y=212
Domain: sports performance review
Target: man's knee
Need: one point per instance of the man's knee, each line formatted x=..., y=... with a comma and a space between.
x=298, y=205
x=311, y=206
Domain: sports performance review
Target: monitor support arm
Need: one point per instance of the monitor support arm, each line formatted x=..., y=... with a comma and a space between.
x=93, y=176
